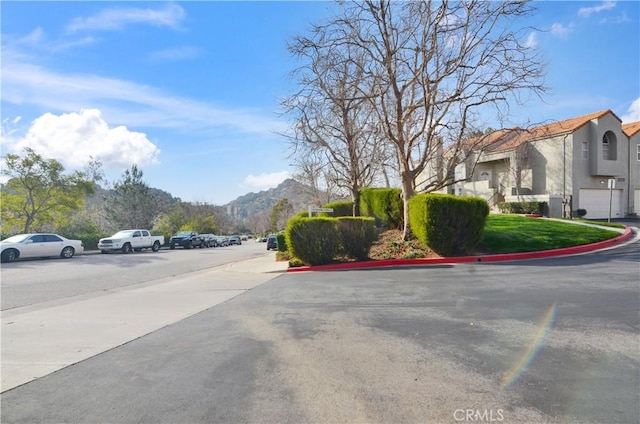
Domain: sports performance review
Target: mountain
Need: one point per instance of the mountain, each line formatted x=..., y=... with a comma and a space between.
x=299, y=195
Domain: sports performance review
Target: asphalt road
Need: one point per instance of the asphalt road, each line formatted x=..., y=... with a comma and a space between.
x=553, y=340
x=30, y=282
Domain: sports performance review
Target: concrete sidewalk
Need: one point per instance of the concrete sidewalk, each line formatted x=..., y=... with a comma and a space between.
x=40, y=339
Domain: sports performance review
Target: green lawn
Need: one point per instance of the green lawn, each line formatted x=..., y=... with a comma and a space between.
x=515, y=233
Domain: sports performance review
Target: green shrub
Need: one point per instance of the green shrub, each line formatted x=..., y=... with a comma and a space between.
x=523, y=207
x=281, y=242
x=89, y=240
x=80, y=229
x=357, y=235
x=449, y=225
x=384, y=204
x=340, y=208
x=581, y=212
x=315, y=241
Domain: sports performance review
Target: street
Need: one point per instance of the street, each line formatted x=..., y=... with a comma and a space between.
x=550, y=340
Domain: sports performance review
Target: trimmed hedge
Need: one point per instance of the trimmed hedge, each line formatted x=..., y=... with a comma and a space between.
x=384, y=204
x=315, y=241
x=449, y=225
x=281, y=242
x=340, y=208
x=523, y=207
x=357, y=235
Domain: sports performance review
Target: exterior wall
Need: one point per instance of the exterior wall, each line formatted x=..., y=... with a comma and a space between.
x=634, y=175
x=589, y=174
x=554, y=202
x=552, y=161
x=598, y=165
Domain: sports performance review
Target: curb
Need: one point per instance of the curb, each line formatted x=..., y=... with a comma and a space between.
x=467, y=259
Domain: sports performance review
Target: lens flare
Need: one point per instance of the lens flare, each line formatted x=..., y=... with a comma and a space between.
x=532, y=350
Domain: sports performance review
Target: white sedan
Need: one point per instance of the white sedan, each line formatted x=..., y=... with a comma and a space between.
x=38, y=246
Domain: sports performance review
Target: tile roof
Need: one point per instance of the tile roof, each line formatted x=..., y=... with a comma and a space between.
x=631, y=129
x=545, y=131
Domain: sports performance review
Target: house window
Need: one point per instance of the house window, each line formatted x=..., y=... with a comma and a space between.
x=609, y=146
x=585, y=150
x=638, y=148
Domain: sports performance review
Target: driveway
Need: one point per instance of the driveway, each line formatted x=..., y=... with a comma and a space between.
x=550, y=340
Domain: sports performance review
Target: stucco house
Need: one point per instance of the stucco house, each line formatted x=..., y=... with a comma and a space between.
x=569, y=164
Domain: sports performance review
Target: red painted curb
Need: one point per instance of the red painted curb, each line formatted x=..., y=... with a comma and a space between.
x=465, y=259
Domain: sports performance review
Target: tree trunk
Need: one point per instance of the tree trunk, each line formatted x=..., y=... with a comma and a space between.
x=355, y=196
x=407, y=193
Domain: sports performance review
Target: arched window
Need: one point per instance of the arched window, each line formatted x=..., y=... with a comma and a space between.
x=609, y=146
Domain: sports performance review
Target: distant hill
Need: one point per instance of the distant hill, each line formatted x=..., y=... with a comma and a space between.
x=299, y=195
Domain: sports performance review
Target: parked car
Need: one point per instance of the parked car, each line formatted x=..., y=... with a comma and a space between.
x=234, y=240
x=222, y=241
x=186, y=239
x=272, y=242
x=209, y=240
x=39, y=246
x=127, y=240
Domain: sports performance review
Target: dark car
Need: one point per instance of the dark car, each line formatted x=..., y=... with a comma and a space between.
x=234, y=240
x=186, y=239
x=272, y=242
x=209, y=240
x=222, y=241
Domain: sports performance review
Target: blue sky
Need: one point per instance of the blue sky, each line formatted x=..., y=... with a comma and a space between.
x=191, y=90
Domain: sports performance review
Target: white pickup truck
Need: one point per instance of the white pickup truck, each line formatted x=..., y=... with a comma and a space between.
x=127, y=240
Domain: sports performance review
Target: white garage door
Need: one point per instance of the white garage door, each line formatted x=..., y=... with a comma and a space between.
x=596, y=202
x=636, y=202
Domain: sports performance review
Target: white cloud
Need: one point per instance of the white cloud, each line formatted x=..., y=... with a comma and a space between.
x=532, y=41
x=588, y=11
x=559, y=30
x=117, y=18
x=633, y=113
x=125, y=102
x=265, y=181
x=178, y=53
x=73, y=138
x=614, y=20
x=34, y=36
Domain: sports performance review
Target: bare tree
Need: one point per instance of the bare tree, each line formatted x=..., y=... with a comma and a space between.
x=333, y=112
x=520, y=167
x=315, y=175
x=436, y=68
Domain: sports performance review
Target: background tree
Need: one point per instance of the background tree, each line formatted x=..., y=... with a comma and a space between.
x=315, y=175
x=259, y=223
x=280, y=214
x=132, y=203
x=332, y=111
x=437, y=68
x=183, y=216
x=38, y=195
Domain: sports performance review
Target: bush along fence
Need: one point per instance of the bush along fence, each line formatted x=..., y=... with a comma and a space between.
x=524, y=207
